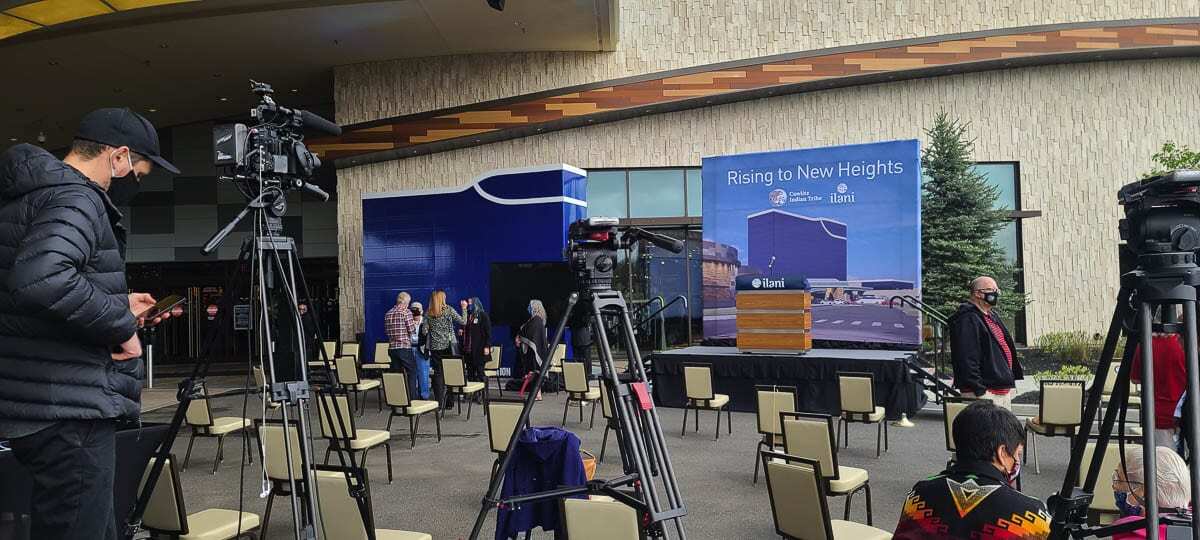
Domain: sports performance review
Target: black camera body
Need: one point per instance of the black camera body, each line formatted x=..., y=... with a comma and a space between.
x=1162, y=215
x=274, y=148
x=592, y=249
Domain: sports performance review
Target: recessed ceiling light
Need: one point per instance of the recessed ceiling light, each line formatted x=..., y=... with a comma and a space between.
x=163, y=46
x=152, y=109
x=223, y=99
x=53, y=62
x=12, y=139
x=295, y=90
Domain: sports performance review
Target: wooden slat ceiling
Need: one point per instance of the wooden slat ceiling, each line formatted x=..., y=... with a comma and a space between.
x=703, y=86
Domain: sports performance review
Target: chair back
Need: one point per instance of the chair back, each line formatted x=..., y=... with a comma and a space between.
x=494, y=359
x=576, y=379
x=1110, y=382
x=272, y=451
x=951, y=406
x=347, y=370
x=1103, y=499
x=587, y=519
x=350, y=349
x=697, y=381
x=857, y=392
x=165, y=512
x=1061, y=403
x=395, y=389
x=454, y=376
x=606, y=408
x=810, y=436
x=502, y=421
x=331, y=408
x=381, y=353
x=199, y=412
x=797, y=497
x=339, y=511
x=330, y=350
x=260, y=380
x=771, y=401
x=560, y=352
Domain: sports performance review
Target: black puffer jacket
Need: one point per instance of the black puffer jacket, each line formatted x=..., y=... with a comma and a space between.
x=63, y=299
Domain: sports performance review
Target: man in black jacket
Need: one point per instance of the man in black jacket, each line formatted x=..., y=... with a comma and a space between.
x=981, y=349
x=69, y=351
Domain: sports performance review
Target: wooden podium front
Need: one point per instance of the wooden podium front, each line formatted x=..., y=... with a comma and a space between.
x=774, y=315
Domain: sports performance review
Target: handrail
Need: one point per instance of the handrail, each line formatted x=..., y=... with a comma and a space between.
x=662, y=326
x=687, y=308
x=924, y=308
x=940, y=324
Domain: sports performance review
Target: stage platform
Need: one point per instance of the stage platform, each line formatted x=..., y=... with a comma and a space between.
x=813, y=374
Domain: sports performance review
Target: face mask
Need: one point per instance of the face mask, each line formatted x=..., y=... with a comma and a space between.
x=1127, y=509
x=1011, y=476
x=123, y=190
x=992, y=298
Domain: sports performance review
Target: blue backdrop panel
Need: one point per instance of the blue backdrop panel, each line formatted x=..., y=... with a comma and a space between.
x=847, y=218
x=419, y=241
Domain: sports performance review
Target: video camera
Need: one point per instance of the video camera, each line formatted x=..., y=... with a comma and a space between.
x=592, y=249
x=1162, y=215
x=273, y=149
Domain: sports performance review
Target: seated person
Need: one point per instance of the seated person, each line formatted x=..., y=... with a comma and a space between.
x=1172, y=485
x=973, y=498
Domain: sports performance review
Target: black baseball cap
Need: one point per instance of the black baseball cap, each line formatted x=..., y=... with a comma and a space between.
x=123, y=127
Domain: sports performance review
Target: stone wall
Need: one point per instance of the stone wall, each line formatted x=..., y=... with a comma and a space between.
x=659, y=35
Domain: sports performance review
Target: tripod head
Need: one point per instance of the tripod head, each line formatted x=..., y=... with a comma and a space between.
x=592, y=249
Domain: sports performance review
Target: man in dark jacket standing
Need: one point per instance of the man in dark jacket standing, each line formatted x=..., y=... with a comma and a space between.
x=69, y=351
x=981, y=349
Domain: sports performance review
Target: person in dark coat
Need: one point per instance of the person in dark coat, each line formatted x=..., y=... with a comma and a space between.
x=69, y=351
x=982, y=351
x=533, y=330
x=477, y=339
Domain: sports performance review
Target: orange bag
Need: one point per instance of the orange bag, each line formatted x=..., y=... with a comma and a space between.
x=589, y=464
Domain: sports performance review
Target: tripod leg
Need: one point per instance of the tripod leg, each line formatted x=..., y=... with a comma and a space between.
x=603, y=443
x=1192, y=416
x=592, y=422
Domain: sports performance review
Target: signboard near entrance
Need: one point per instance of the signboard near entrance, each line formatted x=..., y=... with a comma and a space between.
x=241, y=317
x=846, y=218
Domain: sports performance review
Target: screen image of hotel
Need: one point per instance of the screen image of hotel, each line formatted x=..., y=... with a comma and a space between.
x=786, y=244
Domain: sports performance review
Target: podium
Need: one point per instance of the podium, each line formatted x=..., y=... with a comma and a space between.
x=774, y=314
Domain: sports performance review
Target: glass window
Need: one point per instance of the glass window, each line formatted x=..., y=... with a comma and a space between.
x=1004, y=177
x=656, y=193
x=606, y=194
x=695, y=192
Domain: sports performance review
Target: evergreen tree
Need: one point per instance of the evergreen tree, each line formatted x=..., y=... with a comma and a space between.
x=958, y=222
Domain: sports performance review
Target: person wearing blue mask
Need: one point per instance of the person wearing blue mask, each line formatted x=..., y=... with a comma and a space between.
x=1172, y=485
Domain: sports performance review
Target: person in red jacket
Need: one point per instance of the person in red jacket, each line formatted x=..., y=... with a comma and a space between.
x=1170, y=380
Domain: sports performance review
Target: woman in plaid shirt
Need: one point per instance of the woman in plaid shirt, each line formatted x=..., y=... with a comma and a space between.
x=440, y=320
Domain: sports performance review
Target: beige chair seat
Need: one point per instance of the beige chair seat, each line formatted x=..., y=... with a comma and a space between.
x=375, y=366
x=366, y=438
x=849, y=530
x=227, y=424
x=321, y=363
x=1042, y=429
x=591, y=395
x=472, y=387
x=873, y=417
x=849, y=479
x=218, y=524
x=421, y=407
x=369, y=384
x=388, y=534
x=491, y=373
x=718, y=401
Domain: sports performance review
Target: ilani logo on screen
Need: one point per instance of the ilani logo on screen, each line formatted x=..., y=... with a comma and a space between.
x=767, y=283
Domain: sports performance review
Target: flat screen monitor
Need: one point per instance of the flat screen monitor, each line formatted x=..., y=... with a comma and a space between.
x=515, y=284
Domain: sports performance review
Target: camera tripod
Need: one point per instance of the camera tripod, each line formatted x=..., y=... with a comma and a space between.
x=644, y=455
x=274, y=276
x=1169, y=280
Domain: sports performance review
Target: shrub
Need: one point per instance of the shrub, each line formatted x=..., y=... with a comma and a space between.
x=1068, y=372
x=1071, y=347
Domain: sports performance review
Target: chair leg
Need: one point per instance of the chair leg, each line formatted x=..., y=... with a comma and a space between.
x=220, y=453
x=870, y=517
x=469, y=404
x=603, y=443
x=188, y=456
x=758, y=461
x=878, y=436
x=849, y=499
x=729, y=418
x=886, y=445
x=592, y=422
x=697, y=420
x=566, y=408
x=412, y=431
x=379, y=397
x=1037, y=466
x=717, y=434
x=328, y=450
x=581, y=402
x=837, y=433
x=438, y=421
x=388, y=448
x=389, y=422
x=683, y=430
